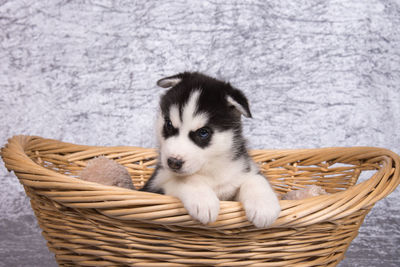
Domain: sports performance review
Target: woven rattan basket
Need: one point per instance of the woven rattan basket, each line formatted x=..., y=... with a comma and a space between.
x=93, y=225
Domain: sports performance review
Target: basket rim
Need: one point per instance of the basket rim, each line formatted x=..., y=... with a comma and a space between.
x=125, y=204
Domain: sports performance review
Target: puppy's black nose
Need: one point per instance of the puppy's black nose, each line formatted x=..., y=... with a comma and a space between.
x=175, y=163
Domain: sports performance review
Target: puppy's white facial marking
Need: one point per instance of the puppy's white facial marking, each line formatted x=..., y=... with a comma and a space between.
x=181, y=146
x=197, y=121
x=191, y=120
x=191, y=106
x=174, y=116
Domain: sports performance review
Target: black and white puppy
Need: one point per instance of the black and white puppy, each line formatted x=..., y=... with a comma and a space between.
x=203, y=156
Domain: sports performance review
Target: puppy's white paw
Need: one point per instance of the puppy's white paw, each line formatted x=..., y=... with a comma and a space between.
x=202, y=207
x=261, y=211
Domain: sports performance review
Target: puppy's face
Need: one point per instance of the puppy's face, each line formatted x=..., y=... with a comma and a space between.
x=199, y=121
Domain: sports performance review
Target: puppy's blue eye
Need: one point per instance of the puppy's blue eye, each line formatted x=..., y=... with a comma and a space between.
x=202, y=136
x=203, y=133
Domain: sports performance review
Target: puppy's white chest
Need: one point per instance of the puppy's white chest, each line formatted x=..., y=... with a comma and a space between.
x=226, y=182
x=226, y=191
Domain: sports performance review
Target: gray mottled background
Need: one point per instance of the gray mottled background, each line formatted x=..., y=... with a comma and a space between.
x=317, y=73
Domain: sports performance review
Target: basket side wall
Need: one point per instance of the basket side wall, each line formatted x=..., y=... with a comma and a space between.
x=82, y=237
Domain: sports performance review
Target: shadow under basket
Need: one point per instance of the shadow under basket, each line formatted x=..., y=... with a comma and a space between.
x=89, y=224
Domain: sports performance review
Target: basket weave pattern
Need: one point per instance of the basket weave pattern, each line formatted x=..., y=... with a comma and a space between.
x=89, y=224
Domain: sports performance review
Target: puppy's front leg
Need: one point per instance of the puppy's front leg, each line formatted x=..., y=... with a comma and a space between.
x=259, y=200
x=199, y=199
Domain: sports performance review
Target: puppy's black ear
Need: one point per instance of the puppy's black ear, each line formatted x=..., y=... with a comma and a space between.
x=237, y=100
x=170, y=81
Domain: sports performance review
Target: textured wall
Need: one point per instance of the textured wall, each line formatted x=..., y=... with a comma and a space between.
x=317, y=73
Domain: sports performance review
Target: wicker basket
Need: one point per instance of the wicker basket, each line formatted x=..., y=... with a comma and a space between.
x=93, y=225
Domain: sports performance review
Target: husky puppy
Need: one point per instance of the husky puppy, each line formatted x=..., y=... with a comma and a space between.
x=203, y=156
